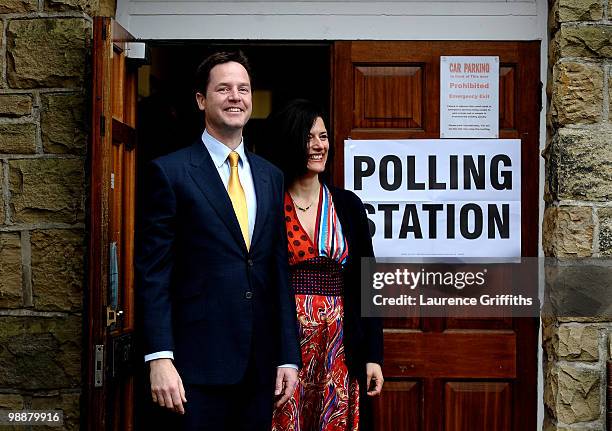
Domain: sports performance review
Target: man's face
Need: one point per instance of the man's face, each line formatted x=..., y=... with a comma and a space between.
x=227, y=101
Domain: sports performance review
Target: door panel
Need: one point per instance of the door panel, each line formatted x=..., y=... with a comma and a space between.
x=450, y=354
x=404, y=399
x=390, y=96
x=447, y=373
x=111, y=274
x=507, y=108
x=477, y=405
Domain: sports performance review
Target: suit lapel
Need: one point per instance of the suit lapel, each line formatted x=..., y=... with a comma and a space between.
x=262, y=193
x=204, y=173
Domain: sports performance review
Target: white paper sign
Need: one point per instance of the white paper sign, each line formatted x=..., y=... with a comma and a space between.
x=439, y=197
x=469, y=97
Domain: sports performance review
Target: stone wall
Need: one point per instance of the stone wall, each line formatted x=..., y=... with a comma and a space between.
x=578, y=194
x=45, y=60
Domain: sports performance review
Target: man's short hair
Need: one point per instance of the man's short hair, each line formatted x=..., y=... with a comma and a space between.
x=203, y=71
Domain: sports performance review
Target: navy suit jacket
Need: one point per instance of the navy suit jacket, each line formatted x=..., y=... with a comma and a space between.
x=203, y=295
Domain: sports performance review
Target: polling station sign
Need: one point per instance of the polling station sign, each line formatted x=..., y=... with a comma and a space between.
x=439, y=197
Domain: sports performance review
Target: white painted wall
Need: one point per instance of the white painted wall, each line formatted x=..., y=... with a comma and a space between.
x=331, y=20
x=349, y=20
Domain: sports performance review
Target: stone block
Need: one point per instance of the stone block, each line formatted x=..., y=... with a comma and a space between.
x=567, y=231
x=579, y=165
x=578, y=399
x=576, y=291
x=107, y=8
x=605, y=231
x=57, y=269
x=17, y=138
x=12, y=402
x=550, y=339
x=15, y=105
x=578, y=342
x=582, y=41
x=2, y=57
x=2, y=209
x=571, y=393
x=64, y=123
x=579, y=10
x=18, y=6
x=550, y=425
x=49, y=52
x=553, y=17
x=38, y=353
x=47, y=190
x=11, y=291
x=577, y=93
x=610, y=92
x=67, y=402
x=90, y=7
x=551, y=386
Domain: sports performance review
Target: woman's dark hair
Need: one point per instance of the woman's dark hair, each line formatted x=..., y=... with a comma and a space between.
x=202, y=77
x=286, y=143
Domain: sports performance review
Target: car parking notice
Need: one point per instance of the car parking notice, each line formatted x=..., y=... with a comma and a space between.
x=469, y=97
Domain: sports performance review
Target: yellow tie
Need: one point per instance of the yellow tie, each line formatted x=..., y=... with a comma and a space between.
x=238, y=198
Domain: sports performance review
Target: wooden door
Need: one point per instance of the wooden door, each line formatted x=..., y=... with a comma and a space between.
x=447, y=374
x=111, y=357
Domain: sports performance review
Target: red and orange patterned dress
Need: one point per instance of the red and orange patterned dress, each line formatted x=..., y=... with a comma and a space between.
x=326, y=397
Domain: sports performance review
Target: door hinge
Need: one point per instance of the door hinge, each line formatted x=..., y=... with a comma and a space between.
x=99, y=366
x=540, y=103
x=112, y=180
x=102, y=125
x=136, y=51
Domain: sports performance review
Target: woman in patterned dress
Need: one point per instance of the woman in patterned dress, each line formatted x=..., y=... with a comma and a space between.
x=327, y=233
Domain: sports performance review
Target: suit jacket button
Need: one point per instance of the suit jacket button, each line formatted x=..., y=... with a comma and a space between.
x=248, y=295
x=250, y=262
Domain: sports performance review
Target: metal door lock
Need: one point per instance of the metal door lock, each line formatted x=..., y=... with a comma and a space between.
x=112, y=316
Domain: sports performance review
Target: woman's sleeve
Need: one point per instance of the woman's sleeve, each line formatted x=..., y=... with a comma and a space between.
x=372, y=326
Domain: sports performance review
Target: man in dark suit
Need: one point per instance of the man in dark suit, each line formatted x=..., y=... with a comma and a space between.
x=218, y=316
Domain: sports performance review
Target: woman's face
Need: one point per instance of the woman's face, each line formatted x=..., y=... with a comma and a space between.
x=318, y=147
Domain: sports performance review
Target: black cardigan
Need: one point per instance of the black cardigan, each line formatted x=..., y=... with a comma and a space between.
x=363, y=337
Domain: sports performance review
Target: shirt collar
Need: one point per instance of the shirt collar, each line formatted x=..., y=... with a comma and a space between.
x=219, y=151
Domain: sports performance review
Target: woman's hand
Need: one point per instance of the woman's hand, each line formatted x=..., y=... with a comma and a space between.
x=375, y=379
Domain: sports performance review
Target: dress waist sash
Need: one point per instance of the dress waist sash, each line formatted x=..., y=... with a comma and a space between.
x=317, y=276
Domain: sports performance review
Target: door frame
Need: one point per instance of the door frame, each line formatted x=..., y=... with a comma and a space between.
x=98, y=262
x=108, y=81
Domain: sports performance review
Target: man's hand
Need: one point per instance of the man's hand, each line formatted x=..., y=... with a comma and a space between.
x=375, y=379
x=166, y=385
x=286, y=380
